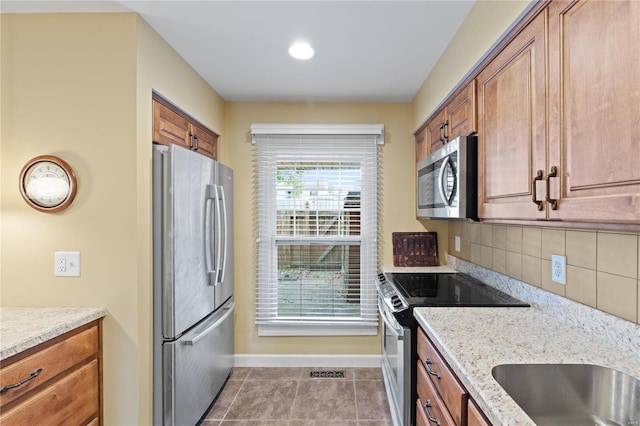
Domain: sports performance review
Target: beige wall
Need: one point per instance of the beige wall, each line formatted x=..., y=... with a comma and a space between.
x=397, y=212
x=79, y=86
x=486, y=22
x=69, y=90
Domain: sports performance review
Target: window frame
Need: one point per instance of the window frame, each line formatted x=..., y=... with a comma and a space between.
x=267, y=240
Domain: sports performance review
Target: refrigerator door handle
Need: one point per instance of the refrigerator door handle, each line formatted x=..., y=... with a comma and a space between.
x=212, y=267
x=212, y=327
x=222, y=266
x=218, y=221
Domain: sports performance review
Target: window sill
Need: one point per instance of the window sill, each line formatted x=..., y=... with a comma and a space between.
x=316, y=330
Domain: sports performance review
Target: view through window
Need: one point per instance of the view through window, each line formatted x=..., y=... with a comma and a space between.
x=316, y=215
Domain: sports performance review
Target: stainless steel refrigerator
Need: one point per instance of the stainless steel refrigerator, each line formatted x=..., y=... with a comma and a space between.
x=192, y=283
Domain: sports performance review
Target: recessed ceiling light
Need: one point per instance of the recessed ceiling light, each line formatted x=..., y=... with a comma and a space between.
x=301, y=50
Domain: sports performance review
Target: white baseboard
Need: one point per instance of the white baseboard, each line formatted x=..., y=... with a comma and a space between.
x=296, y=360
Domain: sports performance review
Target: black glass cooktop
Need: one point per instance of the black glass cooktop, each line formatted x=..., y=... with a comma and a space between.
x=448, y=289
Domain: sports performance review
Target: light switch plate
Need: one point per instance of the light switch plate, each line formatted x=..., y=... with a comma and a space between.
x=457, y=243
x=558, y=269
x=66, y=264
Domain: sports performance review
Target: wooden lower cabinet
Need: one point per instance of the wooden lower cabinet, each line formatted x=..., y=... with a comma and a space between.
x=475, y=416
x=442, y=399
x=430, y=406
x=66, y=387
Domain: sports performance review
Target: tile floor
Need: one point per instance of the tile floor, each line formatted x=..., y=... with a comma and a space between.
x=289, y=397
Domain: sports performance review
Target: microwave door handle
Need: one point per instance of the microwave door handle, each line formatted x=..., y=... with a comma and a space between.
x=445, y=199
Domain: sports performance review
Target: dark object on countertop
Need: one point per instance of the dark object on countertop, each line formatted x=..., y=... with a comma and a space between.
x=415, y=249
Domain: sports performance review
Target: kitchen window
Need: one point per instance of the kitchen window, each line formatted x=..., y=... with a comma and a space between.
x=316, y=200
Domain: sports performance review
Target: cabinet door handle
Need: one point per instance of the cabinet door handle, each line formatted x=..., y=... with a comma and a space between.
x=195, y=145
x=32, y=376
x=427, y=365
x=442, y=137
x=552, y=173
x=190, y=140
x=538, y=177
x=432, y=419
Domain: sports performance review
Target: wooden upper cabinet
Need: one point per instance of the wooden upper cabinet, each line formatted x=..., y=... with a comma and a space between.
x=457, y=117
x=422, y=150
x=436, y=130
x=462, y=117
x=204, y=141
x=594, y=117
x=169, y=127
x=173, y=126
x=511, y=127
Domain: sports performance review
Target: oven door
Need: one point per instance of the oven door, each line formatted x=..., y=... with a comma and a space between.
x=396, y=347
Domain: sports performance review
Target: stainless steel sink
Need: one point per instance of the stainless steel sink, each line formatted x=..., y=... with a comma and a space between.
x=572, y=394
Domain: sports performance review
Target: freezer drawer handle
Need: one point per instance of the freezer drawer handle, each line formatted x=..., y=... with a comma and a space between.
x=211, y=327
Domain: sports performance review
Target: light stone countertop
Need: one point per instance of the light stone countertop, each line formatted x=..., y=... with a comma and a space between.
x=474, y=340
x=24, y=328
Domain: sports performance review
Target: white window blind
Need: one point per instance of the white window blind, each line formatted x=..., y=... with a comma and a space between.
x=316, y=209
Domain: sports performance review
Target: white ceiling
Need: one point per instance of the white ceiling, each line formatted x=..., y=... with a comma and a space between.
x=365, y=51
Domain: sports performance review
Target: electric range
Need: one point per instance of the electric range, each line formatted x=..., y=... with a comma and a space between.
x=398, y=294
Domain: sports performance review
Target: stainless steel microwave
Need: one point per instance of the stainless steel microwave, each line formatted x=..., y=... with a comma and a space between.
x=447, y=181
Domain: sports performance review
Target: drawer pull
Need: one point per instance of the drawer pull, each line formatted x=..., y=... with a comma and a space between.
x=432, y=419
x=427, y=365
x=32, y=376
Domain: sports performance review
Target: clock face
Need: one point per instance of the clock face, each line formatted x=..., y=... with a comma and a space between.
x=47, y=184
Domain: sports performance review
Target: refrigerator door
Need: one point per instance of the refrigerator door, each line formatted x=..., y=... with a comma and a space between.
x=196, y=367
x=186, y=216
x=224, y=235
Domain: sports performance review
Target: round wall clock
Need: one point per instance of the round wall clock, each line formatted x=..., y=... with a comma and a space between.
x=48, y=183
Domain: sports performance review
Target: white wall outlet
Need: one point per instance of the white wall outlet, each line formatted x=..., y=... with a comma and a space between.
x=66, y=264
x=558, y=269
x=457, y=243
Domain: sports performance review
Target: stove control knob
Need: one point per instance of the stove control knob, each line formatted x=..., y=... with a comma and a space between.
x=396, y=302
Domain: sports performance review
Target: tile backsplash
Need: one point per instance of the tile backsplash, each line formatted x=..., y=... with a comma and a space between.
x=601, y=267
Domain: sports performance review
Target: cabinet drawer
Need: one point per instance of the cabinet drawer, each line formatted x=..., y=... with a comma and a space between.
x=428, y=395
x=475, y=416
x=53, y=360
x=73, y=400
x=449, y=388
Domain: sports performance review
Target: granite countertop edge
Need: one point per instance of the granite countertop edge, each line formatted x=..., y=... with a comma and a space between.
x=474, y=340
x=22, y=328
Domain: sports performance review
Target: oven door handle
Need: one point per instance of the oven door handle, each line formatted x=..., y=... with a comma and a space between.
x=399, y=333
